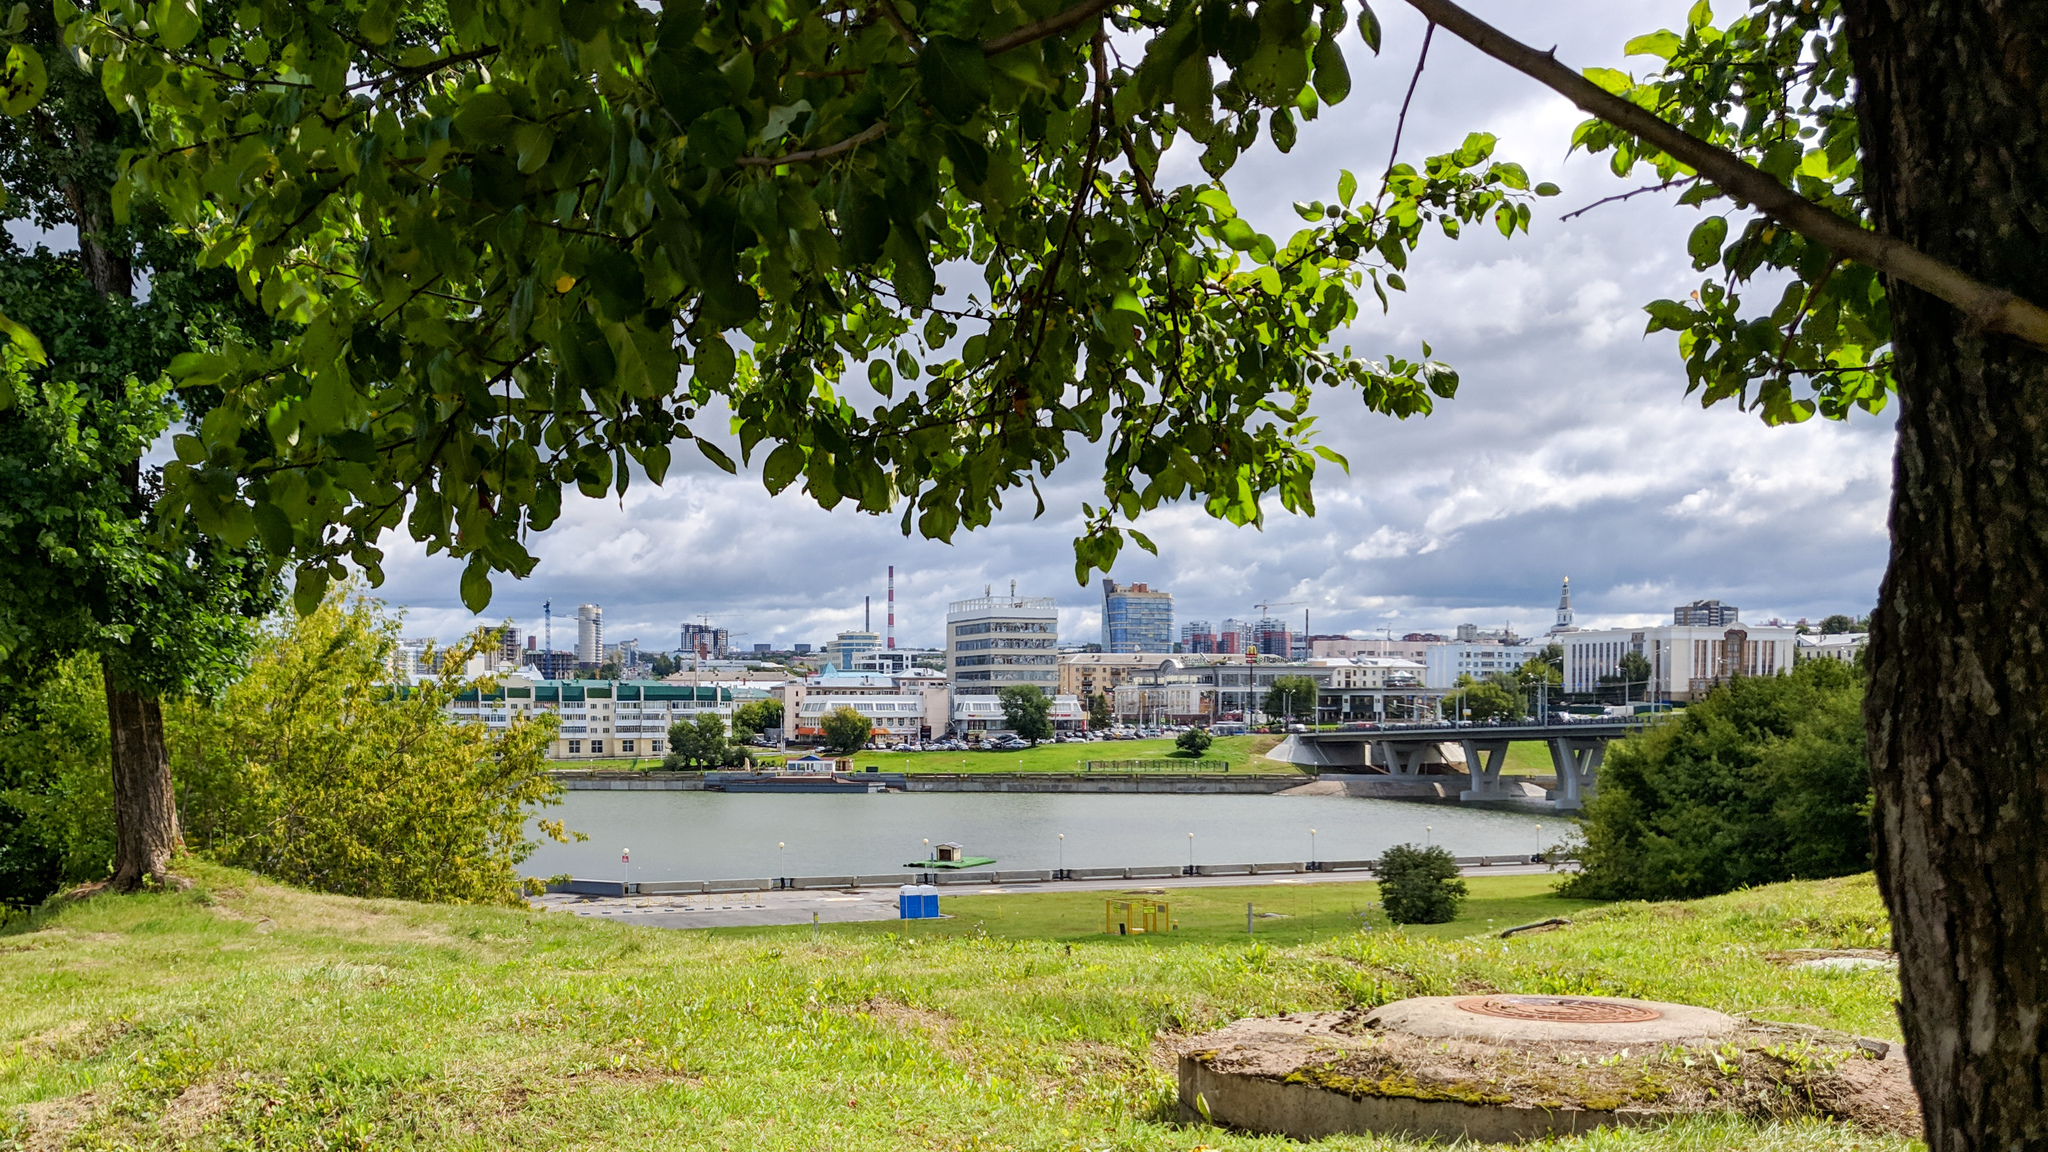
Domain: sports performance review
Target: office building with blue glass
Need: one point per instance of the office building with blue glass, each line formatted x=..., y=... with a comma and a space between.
x=1136, y=618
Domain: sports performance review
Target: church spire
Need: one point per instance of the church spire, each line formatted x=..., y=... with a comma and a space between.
x=1564, y=609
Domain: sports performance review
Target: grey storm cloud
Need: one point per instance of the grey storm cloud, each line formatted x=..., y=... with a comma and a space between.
x=1571, y=448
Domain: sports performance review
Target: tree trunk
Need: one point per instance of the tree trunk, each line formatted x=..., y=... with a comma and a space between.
x=1953, y=100
x=145, y=811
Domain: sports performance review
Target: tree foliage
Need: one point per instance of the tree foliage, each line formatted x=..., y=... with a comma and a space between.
x=1193, y=742
x=1291, y=697
x=1419, y=885
x=56, y=799
x=1487, y=699
x=527, y=248
x=312, y=769
x=1764, y=780
x=1027, y=712
x=754, y=717
x=701, y=742
x=1546, y=665
x=1100, y=714
x=845, y=729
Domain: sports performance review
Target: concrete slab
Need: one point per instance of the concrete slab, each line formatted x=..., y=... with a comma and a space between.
x=1593, y=1019
x=1314, y=1074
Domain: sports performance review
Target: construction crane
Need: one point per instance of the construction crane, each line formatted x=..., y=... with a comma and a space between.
x=1266, y=612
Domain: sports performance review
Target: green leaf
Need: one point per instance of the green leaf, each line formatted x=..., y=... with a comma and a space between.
x=1369, y=26
x=717, y=138
x=955, y=77
x=23, y=81
x=715, y=362
x=177, y=22
x=782, y=467
x=23, y=340
x=1347, y=187
x=1333, y=76
x=1547, y=189
x=274, y=528
x=309, y=589
x=716, y=455
x=532, y=143
x=476, y=584
x=1705, y=242
x=1616, y=82
x=1662, y=44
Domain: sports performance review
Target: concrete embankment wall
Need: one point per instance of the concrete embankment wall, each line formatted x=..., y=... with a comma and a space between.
x=1206, y=785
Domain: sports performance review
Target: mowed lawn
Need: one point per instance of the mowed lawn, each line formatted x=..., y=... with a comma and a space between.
x=1284, y=912
x=239, y=1014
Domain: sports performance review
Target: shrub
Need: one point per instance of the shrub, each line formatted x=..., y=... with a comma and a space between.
x=1764, y=780
x=1193, y=742
x=56, y=790
x=1419, y=885
x=312, y=769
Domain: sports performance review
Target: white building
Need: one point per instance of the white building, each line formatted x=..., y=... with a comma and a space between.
x=998, y=642
x=1478, y=660
x=1685, y=661
x=894, y=712
x=589, y=634
x=1843, y=646
x=985, y=714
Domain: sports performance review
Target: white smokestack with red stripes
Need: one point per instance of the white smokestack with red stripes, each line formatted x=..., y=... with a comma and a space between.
x=892, y=607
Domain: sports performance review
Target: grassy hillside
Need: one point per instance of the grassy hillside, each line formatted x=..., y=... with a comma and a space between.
x=243, y=1015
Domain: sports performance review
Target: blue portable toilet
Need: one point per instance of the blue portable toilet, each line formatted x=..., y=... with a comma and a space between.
x=917, y=902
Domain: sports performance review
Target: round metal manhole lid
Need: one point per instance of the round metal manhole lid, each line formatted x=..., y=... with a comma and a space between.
x=1558, y=1009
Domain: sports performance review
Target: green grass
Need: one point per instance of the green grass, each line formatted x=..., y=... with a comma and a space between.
x=240, y=1014
x=1284, y=914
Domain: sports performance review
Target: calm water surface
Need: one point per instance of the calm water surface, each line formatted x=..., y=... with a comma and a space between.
x=716, y=835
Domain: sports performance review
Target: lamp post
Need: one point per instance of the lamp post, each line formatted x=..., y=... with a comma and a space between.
x=1428, y=836
x=626, y=867
x=1539, y=841
x=1191, y=853
x=1311, y=849
x=1062, y=874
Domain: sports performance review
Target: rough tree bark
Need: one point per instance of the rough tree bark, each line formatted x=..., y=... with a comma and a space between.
x=1953, y=100
x=145, y=813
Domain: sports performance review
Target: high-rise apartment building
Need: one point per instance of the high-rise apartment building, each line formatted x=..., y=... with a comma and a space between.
x=1705, y=614
x=846, y=649
x=1233, y=638
x=706, y=641
x=508, y=645
x=1271, y=637
x=589, y=634
x=1197, y=636
x=1136, y=618
x=998, y=642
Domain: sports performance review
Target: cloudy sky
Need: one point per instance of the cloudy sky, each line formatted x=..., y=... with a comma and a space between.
x=1571, y=448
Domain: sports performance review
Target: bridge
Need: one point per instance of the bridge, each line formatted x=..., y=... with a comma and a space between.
x=1576, y=749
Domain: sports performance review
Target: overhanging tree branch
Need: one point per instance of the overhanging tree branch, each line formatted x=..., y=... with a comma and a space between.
x=1050, y=26
x=1991, y=309
x=871, y=132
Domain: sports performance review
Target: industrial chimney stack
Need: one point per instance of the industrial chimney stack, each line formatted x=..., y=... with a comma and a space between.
x=892, y=607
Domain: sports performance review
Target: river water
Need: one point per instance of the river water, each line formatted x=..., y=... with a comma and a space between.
x=717, y=835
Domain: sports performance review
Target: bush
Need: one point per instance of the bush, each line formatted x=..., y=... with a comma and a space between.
x=751, y=719
x=1764, y=780
x=1193, y=742
x=314, y=770
x=56, y=787
x=1419, y=885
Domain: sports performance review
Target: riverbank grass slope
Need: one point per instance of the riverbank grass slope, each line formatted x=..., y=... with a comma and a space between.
x=241, y=1014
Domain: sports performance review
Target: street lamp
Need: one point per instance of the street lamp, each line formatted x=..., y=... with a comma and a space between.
x=1191, y=853
x=1063, y=854
x=1311, y=846
x=1428, y=836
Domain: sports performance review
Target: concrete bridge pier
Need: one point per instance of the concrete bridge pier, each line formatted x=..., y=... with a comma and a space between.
x=1406, y=758
x=1484, y=760
x=1577, y=760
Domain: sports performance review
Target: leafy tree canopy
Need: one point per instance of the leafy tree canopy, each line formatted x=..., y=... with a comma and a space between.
x=1193, y=742
x=1766, y=779
x=529, y=247
x=846, y=730
x=756, y=716
x=1291, y=696
x=700, y=742
x=1487, y=699
x=1027, y=712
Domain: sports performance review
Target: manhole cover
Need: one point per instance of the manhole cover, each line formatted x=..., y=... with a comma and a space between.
x=1563, y=1009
